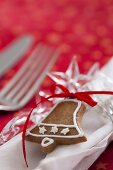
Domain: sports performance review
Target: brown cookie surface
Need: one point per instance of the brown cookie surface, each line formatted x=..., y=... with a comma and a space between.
x=61, y=126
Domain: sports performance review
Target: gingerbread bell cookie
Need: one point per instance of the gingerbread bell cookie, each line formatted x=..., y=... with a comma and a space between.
x=60, y=127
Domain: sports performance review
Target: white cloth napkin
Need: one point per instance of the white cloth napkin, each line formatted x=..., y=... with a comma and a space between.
x=97, y=128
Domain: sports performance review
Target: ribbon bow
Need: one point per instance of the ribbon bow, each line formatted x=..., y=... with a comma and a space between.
x=82, y=96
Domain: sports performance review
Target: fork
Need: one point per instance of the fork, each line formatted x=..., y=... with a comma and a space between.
x=21, y=88
x=44, y=58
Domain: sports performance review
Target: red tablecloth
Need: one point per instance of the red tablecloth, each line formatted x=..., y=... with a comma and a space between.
x=80, y=27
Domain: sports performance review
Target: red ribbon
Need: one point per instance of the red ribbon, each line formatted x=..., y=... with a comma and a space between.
x=82, y=96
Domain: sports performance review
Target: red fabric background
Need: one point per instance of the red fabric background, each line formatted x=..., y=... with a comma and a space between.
x=80, y=27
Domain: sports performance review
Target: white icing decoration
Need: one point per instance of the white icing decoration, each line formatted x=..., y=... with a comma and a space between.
x=58, y=125
x=46, y=142
x=54, y=129
x=65, y=131
x=42, y=130
x=56, y=136
x=79, y=130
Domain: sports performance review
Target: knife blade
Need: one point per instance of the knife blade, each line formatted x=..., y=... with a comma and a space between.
x=11, y=54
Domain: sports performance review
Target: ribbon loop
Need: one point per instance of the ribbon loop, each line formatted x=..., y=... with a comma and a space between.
x=86, y=98
x=63, y=88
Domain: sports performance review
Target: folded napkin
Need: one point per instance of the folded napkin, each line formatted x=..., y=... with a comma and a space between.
x=98, y=130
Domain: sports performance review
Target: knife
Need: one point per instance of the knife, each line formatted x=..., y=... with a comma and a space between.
x=11, y=54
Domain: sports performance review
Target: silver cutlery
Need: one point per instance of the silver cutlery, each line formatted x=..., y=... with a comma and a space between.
x=21, y=88
x=29, y=78
x=14, y=51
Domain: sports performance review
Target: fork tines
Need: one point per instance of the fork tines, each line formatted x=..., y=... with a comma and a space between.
x=24, y=84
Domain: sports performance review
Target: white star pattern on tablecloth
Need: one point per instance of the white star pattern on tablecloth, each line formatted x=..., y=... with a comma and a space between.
x=65, y=131
x=54, y=129
x=42, y=130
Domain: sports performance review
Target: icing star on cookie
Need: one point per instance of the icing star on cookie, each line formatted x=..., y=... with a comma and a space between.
x=65, y=131
x=42, y=130
x=54, y=129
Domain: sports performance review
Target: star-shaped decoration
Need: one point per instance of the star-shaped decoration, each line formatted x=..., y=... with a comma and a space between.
x=101, y=166
x=65, y=131
x=72, y=78
x=54, y=129
x=42, y=130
